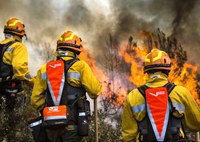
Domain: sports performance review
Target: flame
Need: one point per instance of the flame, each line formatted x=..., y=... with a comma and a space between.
x=185, y=76
x=86, y=56
x=134, y=56
x=117, y=95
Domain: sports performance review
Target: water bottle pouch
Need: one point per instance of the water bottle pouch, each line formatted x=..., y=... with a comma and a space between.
x=83, y=112
x=55, y=116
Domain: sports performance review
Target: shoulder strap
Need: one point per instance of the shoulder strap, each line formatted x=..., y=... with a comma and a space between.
x=176, y=123
x=9, y=43
x=142, y=90
x=69, y=63
x=2, y=50
x=170, y=87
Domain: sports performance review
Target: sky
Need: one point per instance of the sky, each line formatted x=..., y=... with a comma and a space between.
x=95, y=20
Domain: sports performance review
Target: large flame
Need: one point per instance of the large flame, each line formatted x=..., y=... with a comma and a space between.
x=185, y=76
x=134, y=56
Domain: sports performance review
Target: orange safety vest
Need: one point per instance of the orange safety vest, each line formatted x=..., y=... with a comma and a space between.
x=55, y=80
x=159, y=124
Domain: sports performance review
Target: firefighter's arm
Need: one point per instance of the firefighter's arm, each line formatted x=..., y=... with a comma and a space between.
x=20, y=64
x=129, y=124
x=89, y=81
x=192, y=111
x=37, y=97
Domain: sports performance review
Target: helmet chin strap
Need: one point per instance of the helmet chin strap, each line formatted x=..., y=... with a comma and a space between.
x=26, y=37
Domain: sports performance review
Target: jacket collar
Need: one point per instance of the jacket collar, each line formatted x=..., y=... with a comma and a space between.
x=5, y=41
x=66, y=55
x=156, y=79
x=13, y=37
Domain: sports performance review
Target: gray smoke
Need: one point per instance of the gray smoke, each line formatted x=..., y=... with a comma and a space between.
x=98, y=26
x=177, y=18
x=183, y=10
x=186, y=26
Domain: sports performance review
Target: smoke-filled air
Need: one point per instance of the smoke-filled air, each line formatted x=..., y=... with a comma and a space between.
x=108, y=28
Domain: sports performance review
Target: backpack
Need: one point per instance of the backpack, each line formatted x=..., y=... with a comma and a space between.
x=62, y=97
x=159, y=124
x=5, y=70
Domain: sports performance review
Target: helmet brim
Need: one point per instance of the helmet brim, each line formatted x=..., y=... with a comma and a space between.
x=69, y=47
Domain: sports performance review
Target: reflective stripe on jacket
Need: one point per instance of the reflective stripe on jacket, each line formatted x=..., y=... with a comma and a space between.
x=79, y=75
x=17, y=56
x=134, y=108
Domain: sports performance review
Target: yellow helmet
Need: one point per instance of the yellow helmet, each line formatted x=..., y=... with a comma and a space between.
x=69, y=41
x=157, y=60
x=15, y=26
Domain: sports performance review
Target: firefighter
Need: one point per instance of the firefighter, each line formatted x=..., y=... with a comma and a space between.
x=150, y=115
x=61, y=85
x=13, y=66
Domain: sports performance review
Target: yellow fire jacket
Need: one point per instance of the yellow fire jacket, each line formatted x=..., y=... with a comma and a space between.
x=84, y=78
x=17, y=56
x=180, y=97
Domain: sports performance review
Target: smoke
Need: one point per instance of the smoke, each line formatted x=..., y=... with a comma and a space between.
x=38, y=16
x=102, y=23
x=78, y=15
x=174, y=17
x=186, y=26
x=182, y=10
